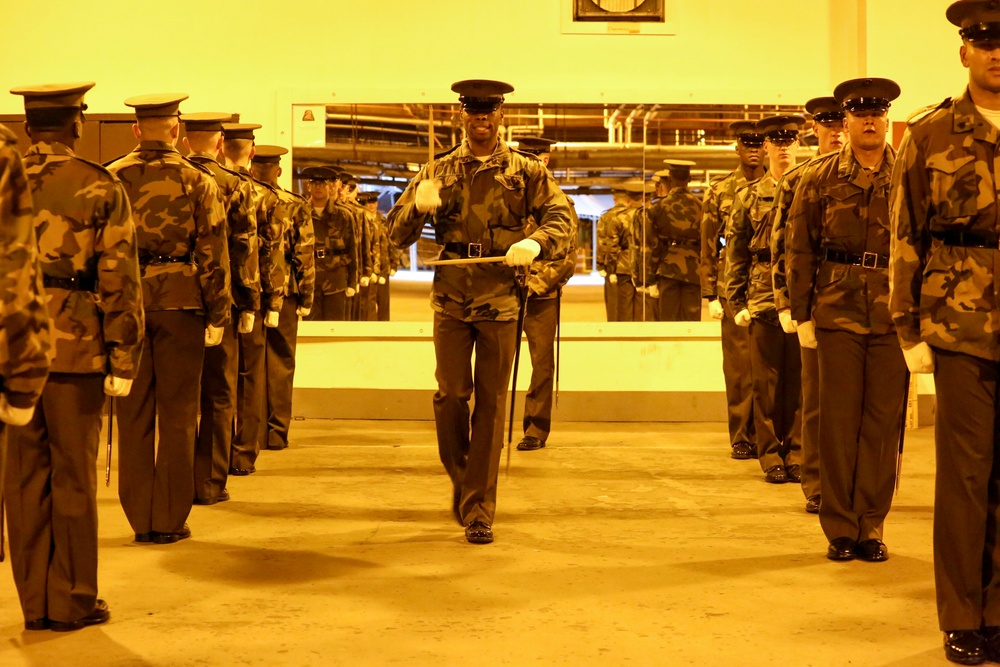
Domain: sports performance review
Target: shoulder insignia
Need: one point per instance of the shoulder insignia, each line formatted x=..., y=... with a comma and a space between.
x=926, y=111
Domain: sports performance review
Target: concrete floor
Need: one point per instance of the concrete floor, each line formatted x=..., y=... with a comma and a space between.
x=637, y=544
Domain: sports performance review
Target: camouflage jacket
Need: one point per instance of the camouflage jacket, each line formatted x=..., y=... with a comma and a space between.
x=546, y=278
x=784, y=194
x=83, y=222
x=841, y=207
x=674, y=236
x=604, y=224
x=272, y=221
x=369, y=256
x=716, y=209
x=335, y=248
x=241, y=230
x=178, y=214
x=621, y=241
x=300, y=248
x=25, y=344
x=748, y=248
x=486, y=202
x=945, y=180
x=389, y=255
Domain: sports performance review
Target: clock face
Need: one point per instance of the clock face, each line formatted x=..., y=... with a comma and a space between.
x=618, y=5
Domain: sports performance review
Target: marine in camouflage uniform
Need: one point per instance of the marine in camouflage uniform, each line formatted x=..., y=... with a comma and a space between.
x=279, y=353
x=220, y=373
x=184, y=264
x=604, y=225
x=541, y=320
x=484, y=209
x=622, y=253
x=645, y=301
x=775, y=359
x=336, y=259
x=944, y=303
x=272, y=221
x=716, y=208
x=828, y=125
x=389, y=259
x=838, y=284
x=675, y=240
x=53, y=433
x=366, y=249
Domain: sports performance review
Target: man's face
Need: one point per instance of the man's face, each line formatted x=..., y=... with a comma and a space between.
x=750, y=157
x=830, y=135
x=982, y=59
x=866, y=130
x=319, y=190
x=781, y=152
x=482, y=127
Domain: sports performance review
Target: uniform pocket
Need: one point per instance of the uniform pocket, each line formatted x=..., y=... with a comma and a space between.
x=515, y=205
x=840, y=213
x=955, y=188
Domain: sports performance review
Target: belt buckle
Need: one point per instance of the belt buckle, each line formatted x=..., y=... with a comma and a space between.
x=869, y=260
x=321, y=253
x=475, y=250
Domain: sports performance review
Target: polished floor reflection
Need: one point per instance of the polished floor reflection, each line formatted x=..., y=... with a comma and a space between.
x=618, y=544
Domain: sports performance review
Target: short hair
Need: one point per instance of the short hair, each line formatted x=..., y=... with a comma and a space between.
x=237, y=149
x=158, y=126
x=51, y=120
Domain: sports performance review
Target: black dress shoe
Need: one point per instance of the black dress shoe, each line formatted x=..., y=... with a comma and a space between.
x=221, y=498
x=37, y=624
x=966, y=647
x=170, y=538
x=841, y=548
x=776, y=475
x=144, y=538
x=99, y=614
x=529, y=443
x=743, y=451
x=812, y=504
x=242, y=472
x=793, y=474
x=478, y=532
x=873, y=551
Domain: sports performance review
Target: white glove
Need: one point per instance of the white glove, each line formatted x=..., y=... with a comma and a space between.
x=427, y=197
x=271, y=319
x=807, y=334
x=246, y=322
x=213, y=336
x=603, y=274
x=115, y=386
x=351, y=291
x=743, y=318
x=381, y=280
x=919, y=358
x=654, y=291
x=715, y=309
x=522, y=253
x=787, y=323
x=392, y=272
x=14, y=416
x=364, y=281
x=372, y=278
x=303, y=312
x=613, y=278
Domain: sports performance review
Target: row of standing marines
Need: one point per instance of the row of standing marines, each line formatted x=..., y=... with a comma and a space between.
x=846, y=272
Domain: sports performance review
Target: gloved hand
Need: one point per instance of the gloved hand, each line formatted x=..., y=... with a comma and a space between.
x=271, y=319
x=613, y=278
x=247, y=318
x=743, y=318
x=14, y=416
x=351, y=291
x=364, y=281
x=715, y=309
x=115, y=386
x=787, y=323
x=602, y=273
x=427, y=197
x=392, y=272
x=381, y=280
x=654, y=291
x=522, y=253
x=303, y=312
x=372, y=278
x=919, y=358
x=213, y=336
x=807, y=334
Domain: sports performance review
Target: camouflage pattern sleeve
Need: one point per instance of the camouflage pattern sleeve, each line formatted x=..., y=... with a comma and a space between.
x=547, y=278
x=784, y=192
x=211, y=250
x=710, y=227
x=303, y=246
x=404, y=221
x=802, y=248
x=270, y=238
x=547, y=203
x=374, y=246
x=244, y=258
x=24, y=320
x=352, y=244
x=644, y=248
x=739, y=232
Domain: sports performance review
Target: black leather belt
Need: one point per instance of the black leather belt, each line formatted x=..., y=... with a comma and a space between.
x=869, y=260
x=147, y=259
x=471, y=250
x=761, y=255
x=80, y=284
x=968, y=239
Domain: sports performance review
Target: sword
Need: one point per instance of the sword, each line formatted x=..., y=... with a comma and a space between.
x=558, y=339
x=111, y=415
x=470, y=260
x=520, y=282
